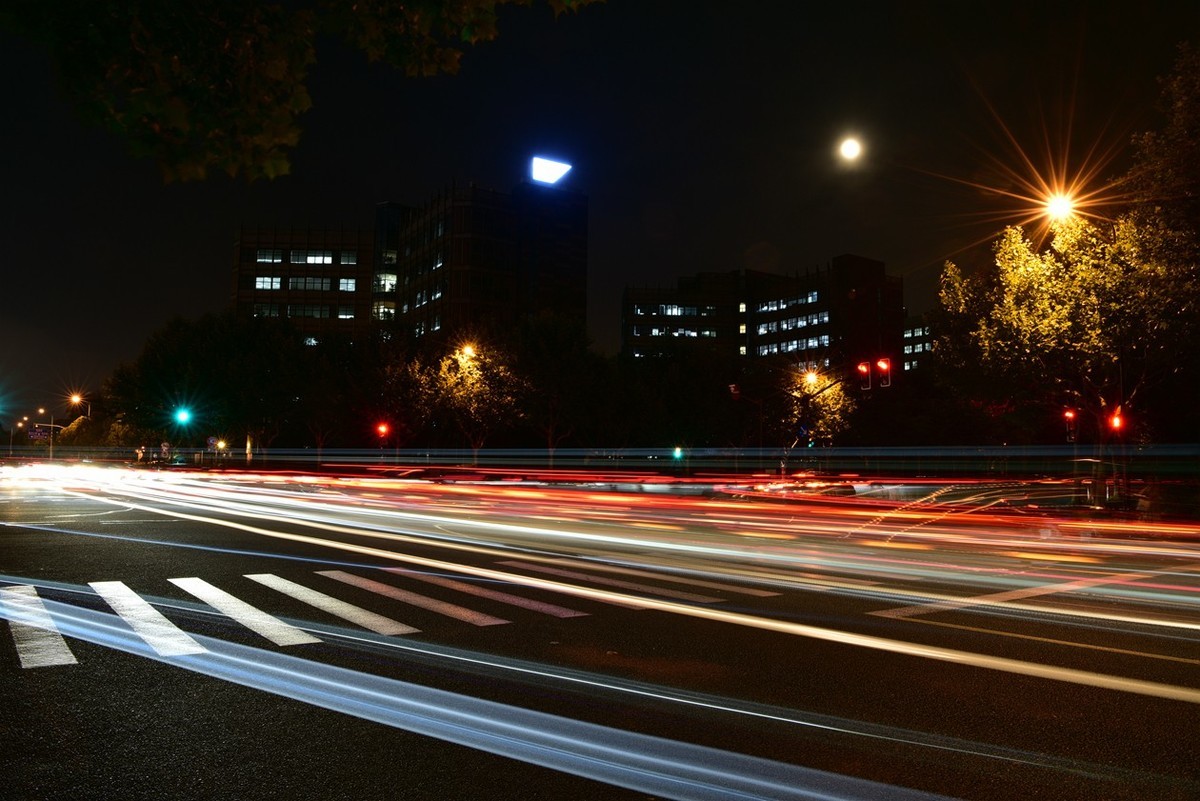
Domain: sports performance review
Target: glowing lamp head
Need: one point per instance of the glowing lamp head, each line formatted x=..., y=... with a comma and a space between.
x=545, y=171
x=850, y=149
x=1059, y=207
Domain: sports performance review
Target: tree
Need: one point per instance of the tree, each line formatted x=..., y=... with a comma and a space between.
x=1090, y=322
x=220, y=85
x=820, y=406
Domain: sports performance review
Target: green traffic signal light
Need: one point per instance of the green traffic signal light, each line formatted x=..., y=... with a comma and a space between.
x=183, y=416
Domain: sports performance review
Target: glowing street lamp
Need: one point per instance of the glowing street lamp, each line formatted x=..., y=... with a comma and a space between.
x=850, y=149
x=78, y=399
x=1060, y=207
x=547, y=171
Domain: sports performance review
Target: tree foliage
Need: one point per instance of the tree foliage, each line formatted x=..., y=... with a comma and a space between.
x=220, y=85
x=821, y=408
x=1089, y=322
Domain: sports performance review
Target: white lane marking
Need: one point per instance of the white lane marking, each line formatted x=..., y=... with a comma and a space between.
x=672, y=577
x=432, y=604
x=258, y=621
x=37, y=639
x=627, y=585
x=326, y=603
x=484, y=592
x=149, y=624
x=1009, y=595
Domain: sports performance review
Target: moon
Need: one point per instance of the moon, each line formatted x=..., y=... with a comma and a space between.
x=850, y=149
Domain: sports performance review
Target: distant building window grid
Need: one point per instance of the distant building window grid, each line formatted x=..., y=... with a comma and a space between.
x=312, y=257
x=347, y=284
x=307, y=310
x=268, y=282
x=269, y=256
x=266, y=310
x=308, y=284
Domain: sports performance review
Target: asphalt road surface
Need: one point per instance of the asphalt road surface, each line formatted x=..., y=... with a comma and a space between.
x=180, y=635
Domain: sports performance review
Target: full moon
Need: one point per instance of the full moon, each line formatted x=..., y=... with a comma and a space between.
x=850, y=149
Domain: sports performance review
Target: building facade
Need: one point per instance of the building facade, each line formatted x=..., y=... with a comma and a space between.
x=850, y=312
x=320, y=279
x=479, y=258
x=470, y=258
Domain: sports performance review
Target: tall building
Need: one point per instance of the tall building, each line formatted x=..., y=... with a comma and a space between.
x=850, y=312
x=469, y=258
x=320, y=279
x=475, y=257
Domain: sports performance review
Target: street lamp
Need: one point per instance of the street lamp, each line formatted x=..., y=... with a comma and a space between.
x=18, y=424
x=78, y=399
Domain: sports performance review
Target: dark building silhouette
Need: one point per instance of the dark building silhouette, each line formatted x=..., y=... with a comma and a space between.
x=849, y=313
x=470, y=258
x=475, y=257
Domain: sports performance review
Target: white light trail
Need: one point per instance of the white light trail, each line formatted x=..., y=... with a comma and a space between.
x=643, y=763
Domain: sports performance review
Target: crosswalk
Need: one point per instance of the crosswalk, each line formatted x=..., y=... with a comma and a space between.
x=39, y=642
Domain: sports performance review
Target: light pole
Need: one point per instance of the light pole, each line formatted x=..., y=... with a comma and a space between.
x=16, y=424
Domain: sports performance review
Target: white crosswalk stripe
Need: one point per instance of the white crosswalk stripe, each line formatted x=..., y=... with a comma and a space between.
x=327, y=603
x=38, y=641
x=625, y=585
x=159, y=633
x=484, y=592
x=258, y=621
x=433, y=605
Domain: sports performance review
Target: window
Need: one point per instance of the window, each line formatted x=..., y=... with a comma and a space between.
x=346, y=284
x=310, y=341
x=742, y=328
x=389, y=257
x=346, y=257
x=307, y=310
x=269, y=256
x=385, y=282
x=345, y=312
x=384, y=310
x=312, y=257
x=309, y=284
x=266, y=309
x=741, y=308
x=267, y=282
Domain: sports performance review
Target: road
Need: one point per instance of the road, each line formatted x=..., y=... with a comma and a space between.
x=177, y=634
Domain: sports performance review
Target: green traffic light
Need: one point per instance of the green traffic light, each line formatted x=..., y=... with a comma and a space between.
x=183, y=416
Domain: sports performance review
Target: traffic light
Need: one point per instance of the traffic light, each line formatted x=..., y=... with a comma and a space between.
x=183, y=415
x=382, y=429
x=1069, y=417
x=864, y=375
x=1116, y=422
x=885, y=372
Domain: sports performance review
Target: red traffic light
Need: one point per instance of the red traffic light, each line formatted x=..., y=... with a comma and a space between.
x=885, y=372
x=1116, y=422
x=864, y=375
x=1069, y=414
x=383, y=429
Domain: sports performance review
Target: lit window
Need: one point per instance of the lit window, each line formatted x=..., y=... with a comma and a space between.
x=742, y=328
x=741, y=308
x=742, y=350
x=312, y=257
x=348, y=258
x=346, y=284
x=345, y=312
x=385, y=282
x=389, y=257
x=384, y=310
x=267, y=282
x=269, y=256
x=310, y=341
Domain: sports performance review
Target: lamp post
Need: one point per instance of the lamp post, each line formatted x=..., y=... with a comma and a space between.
x=78, y=399
x=16, y=424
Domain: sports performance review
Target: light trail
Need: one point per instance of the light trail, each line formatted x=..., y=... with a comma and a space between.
x=100, y=629
x=966, y=658
x=643, y=763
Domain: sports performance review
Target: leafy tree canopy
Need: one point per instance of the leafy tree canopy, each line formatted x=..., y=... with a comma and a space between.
x=220, y=85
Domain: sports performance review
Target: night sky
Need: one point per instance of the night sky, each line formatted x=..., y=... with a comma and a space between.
x=704, y=135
